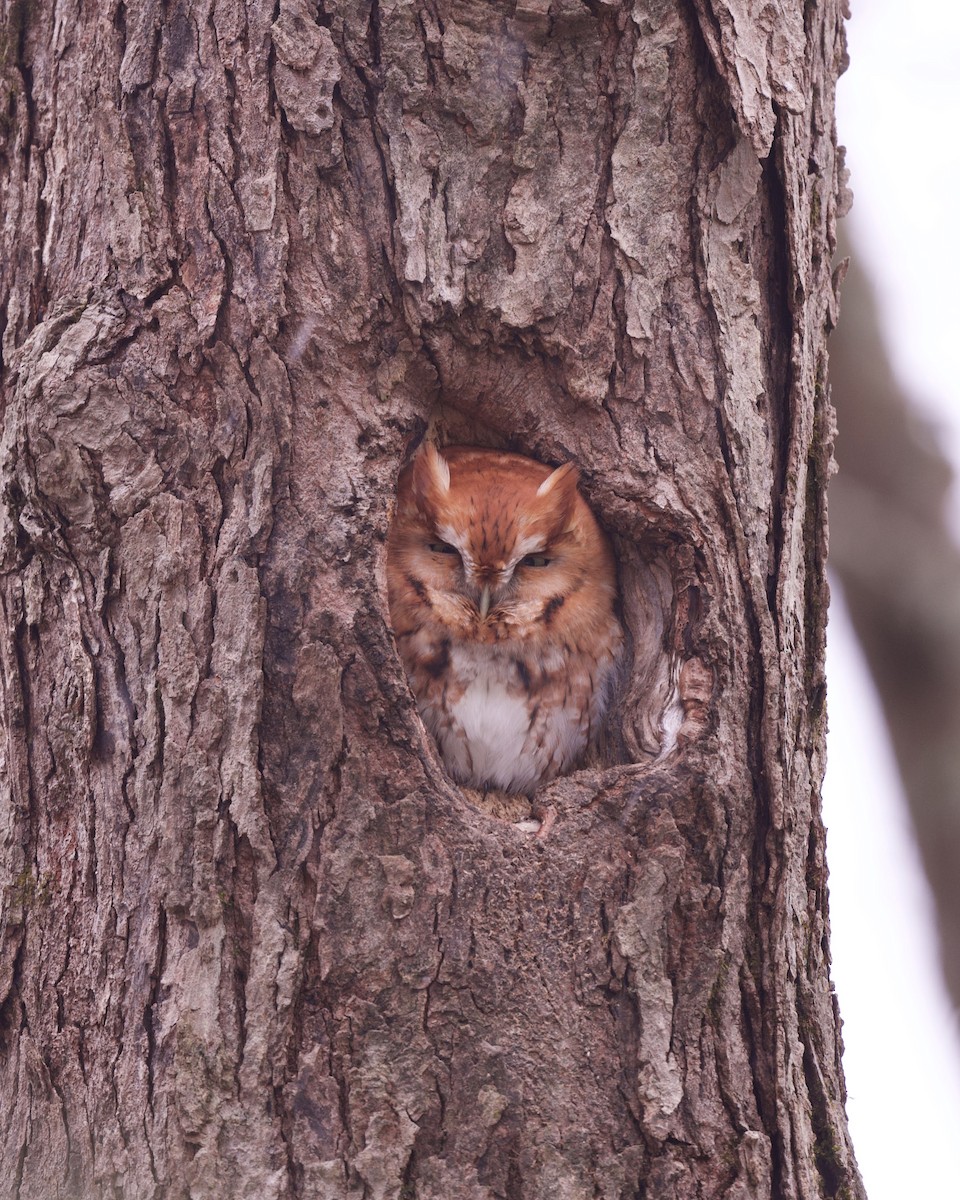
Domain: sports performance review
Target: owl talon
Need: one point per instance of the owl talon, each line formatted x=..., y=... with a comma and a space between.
x=547, y=822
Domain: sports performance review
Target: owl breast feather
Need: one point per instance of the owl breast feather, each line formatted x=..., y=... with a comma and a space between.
x=492, y=733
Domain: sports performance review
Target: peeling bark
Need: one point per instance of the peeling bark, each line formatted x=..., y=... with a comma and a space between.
x=254, y=942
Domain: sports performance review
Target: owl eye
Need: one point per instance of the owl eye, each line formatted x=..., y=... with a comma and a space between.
x=534, y=560
x=442, y=548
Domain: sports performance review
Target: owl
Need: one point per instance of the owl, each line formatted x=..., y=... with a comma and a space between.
x=502, y=592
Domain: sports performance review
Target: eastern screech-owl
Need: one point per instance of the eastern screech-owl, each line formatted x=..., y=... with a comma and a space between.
x=502, y=589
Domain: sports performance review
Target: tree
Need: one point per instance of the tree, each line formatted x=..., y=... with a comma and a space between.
x=254, y=942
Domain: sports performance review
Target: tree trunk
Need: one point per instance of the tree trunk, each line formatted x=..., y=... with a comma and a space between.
x=255, y=943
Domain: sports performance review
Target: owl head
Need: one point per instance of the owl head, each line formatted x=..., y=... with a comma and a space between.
x=485, y=537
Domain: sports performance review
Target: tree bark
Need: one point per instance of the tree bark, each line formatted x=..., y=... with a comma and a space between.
x=255, y=943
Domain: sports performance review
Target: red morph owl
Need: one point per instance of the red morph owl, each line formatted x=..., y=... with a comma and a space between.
x=502, y=591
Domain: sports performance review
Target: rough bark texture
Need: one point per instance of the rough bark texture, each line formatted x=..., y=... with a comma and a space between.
x=254, y=943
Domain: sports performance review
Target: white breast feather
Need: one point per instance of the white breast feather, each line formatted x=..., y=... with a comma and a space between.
x=491, y=741
x=495, y=725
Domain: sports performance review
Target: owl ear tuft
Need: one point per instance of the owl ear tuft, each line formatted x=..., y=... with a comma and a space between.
x=557, y=496
x=563, y=480
x=431, y=477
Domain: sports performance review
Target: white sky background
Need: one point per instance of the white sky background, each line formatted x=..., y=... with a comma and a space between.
x=899, y=116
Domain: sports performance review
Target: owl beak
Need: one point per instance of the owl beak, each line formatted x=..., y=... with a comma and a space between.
x=485, y=602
